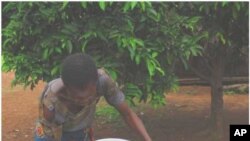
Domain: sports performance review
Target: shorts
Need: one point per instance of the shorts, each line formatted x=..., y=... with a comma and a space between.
x=79, y=135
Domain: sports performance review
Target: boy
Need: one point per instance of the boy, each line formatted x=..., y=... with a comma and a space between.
x=67, y=104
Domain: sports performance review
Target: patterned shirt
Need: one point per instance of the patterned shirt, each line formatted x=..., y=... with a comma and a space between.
x=65, y=119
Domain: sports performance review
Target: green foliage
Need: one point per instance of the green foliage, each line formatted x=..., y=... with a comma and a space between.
x=224, y=27
x=133, y=93
x=227, y=27
x=231, y=14
x=137, y=43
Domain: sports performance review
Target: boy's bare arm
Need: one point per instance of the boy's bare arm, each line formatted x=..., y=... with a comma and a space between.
x=133, y=121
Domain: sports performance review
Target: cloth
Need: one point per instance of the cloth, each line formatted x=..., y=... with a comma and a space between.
x=64, y=120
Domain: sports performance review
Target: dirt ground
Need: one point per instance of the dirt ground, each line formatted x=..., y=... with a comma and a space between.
x=184, y=118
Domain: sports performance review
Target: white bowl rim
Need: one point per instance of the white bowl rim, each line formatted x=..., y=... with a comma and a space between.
x=112, y=139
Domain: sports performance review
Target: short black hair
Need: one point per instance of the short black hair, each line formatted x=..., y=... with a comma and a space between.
x=78, y=70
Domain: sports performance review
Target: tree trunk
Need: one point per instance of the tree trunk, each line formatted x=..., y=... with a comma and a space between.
x=217, y=119
x=214, y=66
x=217, y=116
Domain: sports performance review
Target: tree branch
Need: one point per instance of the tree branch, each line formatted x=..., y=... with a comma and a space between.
x=200, y=74
x=207, y=63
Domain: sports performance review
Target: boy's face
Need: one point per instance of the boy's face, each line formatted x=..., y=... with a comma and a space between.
x=81, y=97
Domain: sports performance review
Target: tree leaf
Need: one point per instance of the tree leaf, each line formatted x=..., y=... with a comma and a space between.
x=102, y=5
x=55, y=70
x=237, y=6
x=143, y=7
x=160, y=70
x=130, y=25
x=139, y=42
x=137, y=59
x=133, y=4
x=151, y=67
x=126, y=7
x=221, y=37
x=65, y=3
x=84, y=5
x=131, y=52
x=224, y=3
x=112, y=73
x=46, y=53
x=58, y=50
x=154, y=54
x=69, y=46
x=84, y=45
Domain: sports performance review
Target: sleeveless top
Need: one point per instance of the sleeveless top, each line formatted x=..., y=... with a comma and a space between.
x=66, y=121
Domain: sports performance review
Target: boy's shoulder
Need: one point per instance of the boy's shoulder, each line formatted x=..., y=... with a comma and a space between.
x=103, y=77
x=56, y=85
x=49, y=95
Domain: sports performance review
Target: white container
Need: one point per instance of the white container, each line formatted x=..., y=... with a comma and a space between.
x=112, y=139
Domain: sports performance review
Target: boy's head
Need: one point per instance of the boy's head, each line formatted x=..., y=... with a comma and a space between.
x=78, y=70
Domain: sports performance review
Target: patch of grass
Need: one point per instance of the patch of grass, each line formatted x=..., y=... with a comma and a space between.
x=191, y=92
x=229, y=92
x=236, y=91
x=107, y=114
